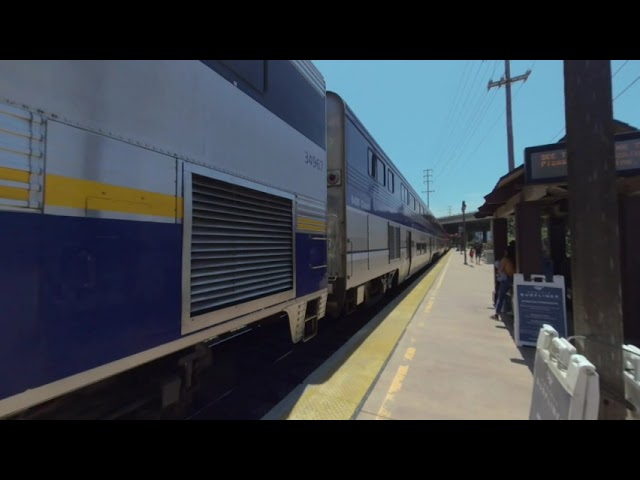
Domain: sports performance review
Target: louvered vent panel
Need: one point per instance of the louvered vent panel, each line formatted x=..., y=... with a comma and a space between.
x=241, y=245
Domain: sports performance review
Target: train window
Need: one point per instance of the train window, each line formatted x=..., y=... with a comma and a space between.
x=391, y=183
x=394, y=242
x=377, y=168
x=412, y=201
x=372, y=164
x=391, y=241
x=380, y=171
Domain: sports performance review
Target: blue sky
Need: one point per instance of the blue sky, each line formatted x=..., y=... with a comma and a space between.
x=438, y=114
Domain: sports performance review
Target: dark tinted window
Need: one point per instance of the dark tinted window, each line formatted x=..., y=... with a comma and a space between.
x=251, y=71
x=282, y=89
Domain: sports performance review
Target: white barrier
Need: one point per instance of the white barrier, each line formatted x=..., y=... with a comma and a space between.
x=631, y=360
x=565, y=384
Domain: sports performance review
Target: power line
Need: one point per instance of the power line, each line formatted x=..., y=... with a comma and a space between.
x=495, y=66
x=557, y=135
x=628, y=87
x=470, y=125
x=446, y=126
x=471, y=155
x=461, y=133
x=619, y=68
x=454, y=129
x=464, y=140
x=561, y=131
x=479, y=122
x=488, y=133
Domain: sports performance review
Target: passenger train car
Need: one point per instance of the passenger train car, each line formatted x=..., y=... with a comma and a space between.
x=380, y=231
x=150, y=206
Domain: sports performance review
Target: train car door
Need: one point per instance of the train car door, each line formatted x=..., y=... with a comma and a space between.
x=368, y=244
x=409, y=251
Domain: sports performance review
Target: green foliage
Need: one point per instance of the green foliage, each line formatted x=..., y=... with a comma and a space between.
x=511, y=229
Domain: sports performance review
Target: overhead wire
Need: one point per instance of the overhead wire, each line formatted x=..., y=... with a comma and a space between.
x=446, y=124
x=453, y=127
x=454, y=162
x=465, y=125
x=561, y=131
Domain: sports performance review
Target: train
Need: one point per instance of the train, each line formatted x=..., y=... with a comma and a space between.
x=151, y=206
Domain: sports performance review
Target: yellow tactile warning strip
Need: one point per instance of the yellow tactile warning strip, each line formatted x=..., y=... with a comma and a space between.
x=403, y=370
x=338, y=389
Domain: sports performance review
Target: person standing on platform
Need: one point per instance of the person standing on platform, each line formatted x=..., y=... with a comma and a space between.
x=506, y=269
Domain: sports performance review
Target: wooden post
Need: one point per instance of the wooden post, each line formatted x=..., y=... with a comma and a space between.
x=528, y=239
x=593, y=219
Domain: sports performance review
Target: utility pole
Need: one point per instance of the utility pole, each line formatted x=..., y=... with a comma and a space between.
x=464, y=231
x=593, y=220
x=449, y=210
x=507, y=80
x=427, y=181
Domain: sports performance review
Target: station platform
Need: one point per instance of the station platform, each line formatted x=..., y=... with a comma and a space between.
x=434, y=353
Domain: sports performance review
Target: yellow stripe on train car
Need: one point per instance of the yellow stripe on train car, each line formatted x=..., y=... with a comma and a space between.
x=312, y=221
x=13, y=175
x=310, y=224
x=70, y=192
x=310, y=229
x=14, y=193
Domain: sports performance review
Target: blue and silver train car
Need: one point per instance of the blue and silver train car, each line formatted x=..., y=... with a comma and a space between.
x=147, y=206
x=380, y=232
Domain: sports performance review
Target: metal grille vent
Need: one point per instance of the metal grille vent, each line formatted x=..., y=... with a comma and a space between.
x=241, y=245
x=21, y=158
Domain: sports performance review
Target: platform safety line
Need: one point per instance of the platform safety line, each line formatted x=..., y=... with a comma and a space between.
x=384, y=412
x=432, y=297
x=337, y=390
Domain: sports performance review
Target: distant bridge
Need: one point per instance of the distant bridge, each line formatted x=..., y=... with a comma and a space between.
x=453, y=224
x=469, y=219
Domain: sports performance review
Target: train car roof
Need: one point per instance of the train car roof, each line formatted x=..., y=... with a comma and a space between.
x=353, y=117
x=312, y=74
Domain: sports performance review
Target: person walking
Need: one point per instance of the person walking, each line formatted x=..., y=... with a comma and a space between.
x=478, y=253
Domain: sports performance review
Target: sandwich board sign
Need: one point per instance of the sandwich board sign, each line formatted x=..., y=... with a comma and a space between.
x=538, y=302
x=565, y=384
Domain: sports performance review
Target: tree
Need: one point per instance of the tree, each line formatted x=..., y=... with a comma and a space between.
x=511, y=229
